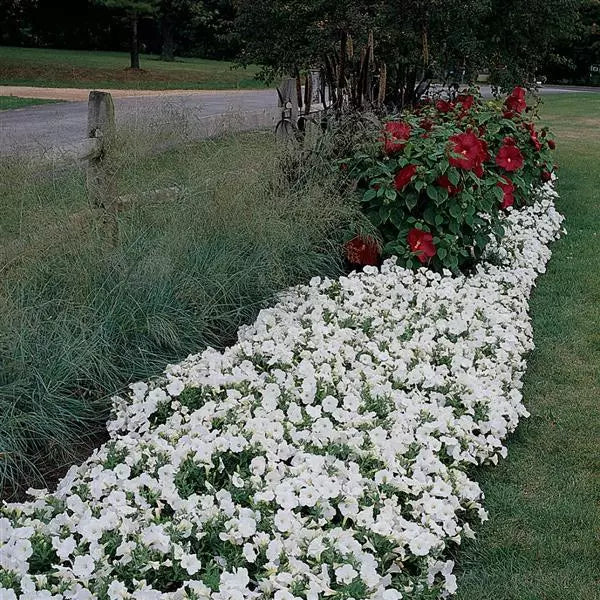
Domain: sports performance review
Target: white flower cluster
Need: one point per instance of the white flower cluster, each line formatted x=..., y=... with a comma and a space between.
x=323, y=455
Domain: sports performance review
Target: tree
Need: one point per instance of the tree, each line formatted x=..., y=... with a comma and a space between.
x=389, y=51
x=133, y=10
x=572, y=60
x=203, y=26
x=523, y=36
x=368, y=51
x=170, y=13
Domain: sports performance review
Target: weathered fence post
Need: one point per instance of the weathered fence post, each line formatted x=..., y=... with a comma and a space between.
x=101, y=128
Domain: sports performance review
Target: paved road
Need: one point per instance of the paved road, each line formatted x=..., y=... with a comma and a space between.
x=60, y=125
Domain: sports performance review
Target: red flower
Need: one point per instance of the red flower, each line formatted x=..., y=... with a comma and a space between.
x=363, y=251
x=515, y=103
x=508, y=189
x=395, y=135
x=478, y=170
x=509, y=158
x=465, y=100
x=444, y=106
x=471, y=151
x=444, y=182
x=534, y=140
x=426, y=124
x=509, y=141
x=421, y=244
x=404, y=176
x=551, y=144
x=546, y=175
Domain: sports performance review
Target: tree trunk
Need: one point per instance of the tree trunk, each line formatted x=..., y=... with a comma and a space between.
x=168, y=38
x=134, y=47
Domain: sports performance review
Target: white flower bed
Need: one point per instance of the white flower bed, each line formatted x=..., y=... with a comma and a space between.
x=324, y=455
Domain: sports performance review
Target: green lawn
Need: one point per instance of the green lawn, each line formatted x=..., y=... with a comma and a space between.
x=8, y=102
x=82, y=69
x=543, y=538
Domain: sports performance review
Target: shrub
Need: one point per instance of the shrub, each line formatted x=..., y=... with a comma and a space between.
x=436, y=181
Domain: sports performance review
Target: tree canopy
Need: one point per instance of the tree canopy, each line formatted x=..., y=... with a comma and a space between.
x=411, y=39
x=406, y=42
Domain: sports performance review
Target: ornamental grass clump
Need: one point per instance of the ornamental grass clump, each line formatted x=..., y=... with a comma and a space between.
x=437, y=181
x=81, y=318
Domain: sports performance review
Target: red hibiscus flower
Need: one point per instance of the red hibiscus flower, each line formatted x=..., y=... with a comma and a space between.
x=467, y=151
x=509, y=141
x=515, y=103
x=404, y=176
x=509, y=158
x=444, y=182
x=363, y=250
x=465, y=100
x=426, y=124
x=478, y=170
x=551, y=144
x=395, y=135
x=444, y=106
x=508, y=189
x=421, y=244
x=546, y=175
x=534, y=140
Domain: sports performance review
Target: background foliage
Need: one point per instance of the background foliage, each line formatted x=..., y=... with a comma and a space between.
x=516, y=39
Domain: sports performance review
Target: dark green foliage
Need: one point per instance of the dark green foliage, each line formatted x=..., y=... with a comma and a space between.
x=413, y=42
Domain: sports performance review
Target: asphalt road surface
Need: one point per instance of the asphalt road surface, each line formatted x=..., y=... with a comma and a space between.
x=47, y=126
x=44, y=127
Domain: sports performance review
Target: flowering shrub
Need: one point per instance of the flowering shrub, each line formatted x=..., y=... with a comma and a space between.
x=323, y=455
x=438, y=180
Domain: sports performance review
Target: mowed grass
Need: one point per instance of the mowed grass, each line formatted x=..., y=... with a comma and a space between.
x=543, y=538
x=10, y=102
x=82, y=69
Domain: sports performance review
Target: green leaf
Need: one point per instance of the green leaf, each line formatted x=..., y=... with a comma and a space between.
x=410, y=200
x=397, y=217
x=453, y=176
x=429, y=215
x=369, y=195
x=384, y=214
x=390, y=194
x=455, y=210
x=432, y=192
